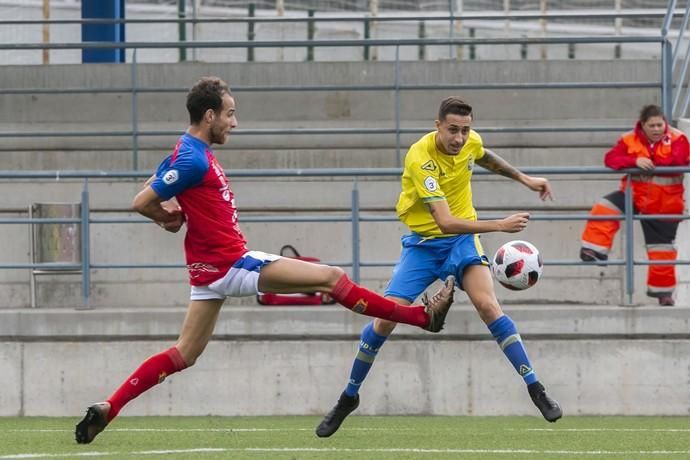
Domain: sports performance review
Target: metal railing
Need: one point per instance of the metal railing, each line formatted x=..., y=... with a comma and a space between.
x=455, y=22
x=668, y=57
x=664, y=84
x=355, y=218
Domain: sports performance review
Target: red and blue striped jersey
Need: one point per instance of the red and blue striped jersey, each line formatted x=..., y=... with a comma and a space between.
x=194, y=177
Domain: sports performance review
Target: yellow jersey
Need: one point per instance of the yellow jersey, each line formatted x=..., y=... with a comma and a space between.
x=431, y=175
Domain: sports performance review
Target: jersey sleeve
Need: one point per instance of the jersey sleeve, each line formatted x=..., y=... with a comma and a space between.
x=477, y=145
x=424, y=174
x=174, y=177
x=618, y=157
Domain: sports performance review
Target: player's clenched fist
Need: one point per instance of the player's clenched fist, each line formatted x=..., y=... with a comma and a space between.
x=175, y=215
x=515, y=223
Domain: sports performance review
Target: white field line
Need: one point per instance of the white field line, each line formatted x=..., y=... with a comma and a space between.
x=342, y=450
x=198, y=430
x=606, y=430
x=262, y=430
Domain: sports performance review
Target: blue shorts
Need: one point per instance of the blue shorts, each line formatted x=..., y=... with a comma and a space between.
x=423, y=260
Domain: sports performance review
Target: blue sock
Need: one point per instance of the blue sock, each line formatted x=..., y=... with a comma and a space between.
x=504, y=331
x=369, y=345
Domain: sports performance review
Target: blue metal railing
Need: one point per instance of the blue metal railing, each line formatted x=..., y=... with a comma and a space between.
x=355, y=217
x=664, y=83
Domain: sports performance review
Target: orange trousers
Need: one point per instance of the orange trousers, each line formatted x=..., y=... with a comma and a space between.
x=659, y=239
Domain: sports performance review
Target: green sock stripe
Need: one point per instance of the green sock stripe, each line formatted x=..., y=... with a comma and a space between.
x=365, y=357
x=511, y=339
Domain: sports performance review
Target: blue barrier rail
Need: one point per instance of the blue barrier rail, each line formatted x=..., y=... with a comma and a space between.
x=664, y=83
x=355, y=217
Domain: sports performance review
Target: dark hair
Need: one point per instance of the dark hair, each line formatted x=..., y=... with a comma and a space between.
x=649, y=111
x=207, y=93
x=454, y=105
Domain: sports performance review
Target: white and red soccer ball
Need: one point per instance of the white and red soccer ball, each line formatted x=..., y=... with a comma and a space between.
x=517, y=265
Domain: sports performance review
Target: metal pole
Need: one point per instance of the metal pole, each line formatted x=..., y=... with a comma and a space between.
x=421, y=33
x=668, y=18
x=686, y=101
x=280, y=12
x=182, y=27
x=398, y=160
x=367, y=35
x=135, y=114
x=373, y=12
x=681, y=30
x=542, y=22
x=458, y=28
x=85, y=248
x=666, y=79
x=32, y=258
x=617, y=29
x=46, y=30
x=355, y=233
x=251, y=8
x=681, y=79
x=506, y=12
x=310, y=35
x=195, y=25
x=451, y=27
x=629, y=243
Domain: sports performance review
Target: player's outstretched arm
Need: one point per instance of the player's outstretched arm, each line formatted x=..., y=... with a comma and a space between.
x=450, y=224
x=498, y=165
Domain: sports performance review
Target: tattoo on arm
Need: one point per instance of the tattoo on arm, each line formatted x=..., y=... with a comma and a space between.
x=496, y=164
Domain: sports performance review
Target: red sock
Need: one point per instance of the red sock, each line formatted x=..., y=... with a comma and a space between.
x=150, y=373
x=362, y=300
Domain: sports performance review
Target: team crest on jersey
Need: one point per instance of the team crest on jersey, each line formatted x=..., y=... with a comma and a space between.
x=470, y=164
x=171, y=176
x=430, y=184
x=429, y=166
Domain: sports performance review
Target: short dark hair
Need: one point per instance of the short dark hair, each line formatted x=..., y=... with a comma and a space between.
x=454, y=105
x=649, y=111
x=207, y=93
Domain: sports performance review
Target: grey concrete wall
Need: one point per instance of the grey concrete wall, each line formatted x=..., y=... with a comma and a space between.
x=270, y=361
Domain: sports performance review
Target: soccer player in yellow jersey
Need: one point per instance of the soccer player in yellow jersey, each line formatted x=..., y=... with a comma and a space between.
x=436, y=205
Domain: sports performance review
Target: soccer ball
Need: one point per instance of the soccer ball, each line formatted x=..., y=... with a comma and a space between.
x=517, y=265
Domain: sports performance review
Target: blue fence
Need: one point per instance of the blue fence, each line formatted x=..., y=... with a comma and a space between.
x=355, y=218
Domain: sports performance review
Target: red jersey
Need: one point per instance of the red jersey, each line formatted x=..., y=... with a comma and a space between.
x=194, y=177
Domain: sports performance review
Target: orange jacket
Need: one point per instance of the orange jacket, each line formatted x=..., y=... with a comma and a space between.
x=656, y=194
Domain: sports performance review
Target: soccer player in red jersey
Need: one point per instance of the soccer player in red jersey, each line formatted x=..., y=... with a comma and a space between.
x=218, y=261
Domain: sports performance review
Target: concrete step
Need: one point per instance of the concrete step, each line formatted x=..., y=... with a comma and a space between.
x=273, y=106
x=104, y=136
x=314, y=193
x=279, y=158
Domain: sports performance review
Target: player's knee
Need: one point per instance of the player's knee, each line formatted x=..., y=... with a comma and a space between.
x=333, y=274
x=383, y=326
x=189, y=354
x=191, y=360
x=488, y=309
